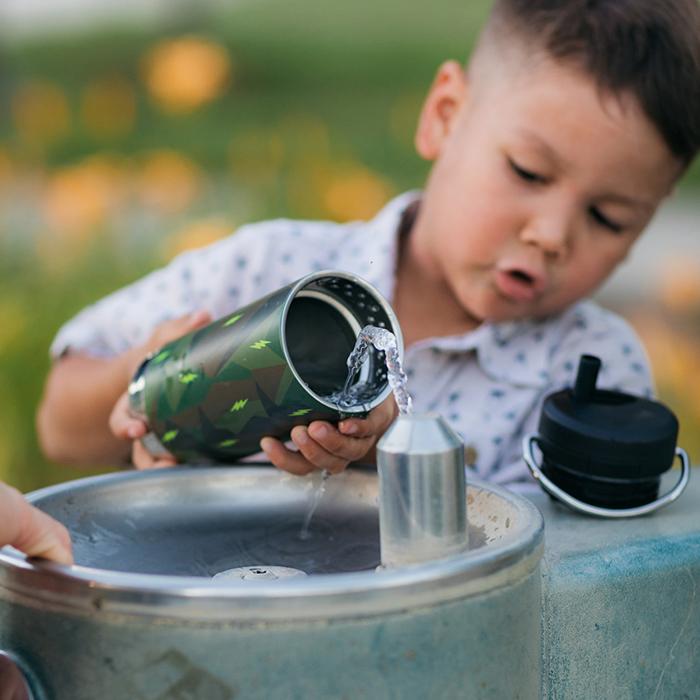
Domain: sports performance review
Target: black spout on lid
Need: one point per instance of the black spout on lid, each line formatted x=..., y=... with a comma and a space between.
x=588, y=368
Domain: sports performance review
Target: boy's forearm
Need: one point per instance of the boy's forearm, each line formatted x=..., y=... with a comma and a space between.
x=73, y=417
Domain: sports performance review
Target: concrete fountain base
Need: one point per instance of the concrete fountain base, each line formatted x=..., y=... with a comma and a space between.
x=610, y=611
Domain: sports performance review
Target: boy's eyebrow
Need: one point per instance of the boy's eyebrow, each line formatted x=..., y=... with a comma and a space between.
x=557, y=159
x=542, y=145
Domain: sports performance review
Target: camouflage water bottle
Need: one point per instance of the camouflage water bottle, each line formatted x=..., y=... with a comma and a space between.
x=213, y=394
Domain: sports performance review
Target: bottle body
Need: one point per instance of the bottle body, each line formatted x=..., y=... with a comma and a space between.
x=212, y=394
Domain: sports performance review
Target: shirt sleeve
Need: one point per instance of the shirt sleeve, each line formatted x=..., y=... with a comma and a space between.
x=588, y=329
x=217, y=278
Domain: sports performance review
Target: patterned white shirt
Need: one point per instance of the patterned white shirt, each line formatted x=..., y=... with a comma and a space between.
x=489, y=383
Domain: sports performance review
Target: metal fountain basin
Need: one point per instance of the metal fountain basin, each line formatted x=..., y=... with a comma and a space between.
x=149, y=544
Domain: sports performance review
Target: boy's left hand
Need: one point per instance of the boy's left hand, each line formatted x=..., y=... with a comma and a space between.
x=325, y=446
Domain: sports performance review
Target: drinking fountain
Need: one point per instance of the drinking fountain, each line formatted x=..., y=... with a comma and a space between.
x=142, y=614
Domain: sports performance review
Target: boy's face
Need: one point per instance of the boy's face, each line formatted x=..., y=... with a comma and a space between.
x=539, y=188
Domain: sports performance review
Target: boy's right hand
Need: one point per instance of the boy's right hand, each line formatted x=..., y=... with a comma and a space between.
x=122, y=422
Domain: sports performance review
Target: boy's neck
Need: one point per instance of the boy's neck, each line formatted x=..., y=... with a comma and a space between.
x=423, y=302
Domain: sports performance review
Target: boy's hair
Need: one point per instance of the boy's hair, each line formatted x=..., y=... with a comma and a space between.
x=647, y=48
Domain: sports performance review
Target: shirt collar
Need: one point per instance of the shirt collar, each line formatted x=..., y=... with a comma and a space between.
x=516, y=352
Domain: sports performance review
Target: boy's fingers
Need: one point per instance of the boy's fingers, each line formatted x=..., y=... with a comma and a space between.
x=315, y=453
x=375, y=424
x=328, y=437
x=143, y=459
x=123, y=424
x=284, y=459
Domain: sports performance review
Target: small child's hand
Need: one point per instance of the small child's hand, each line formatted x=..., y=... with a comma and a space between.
x=28, y=529
x=127, y=427
x=324, y=446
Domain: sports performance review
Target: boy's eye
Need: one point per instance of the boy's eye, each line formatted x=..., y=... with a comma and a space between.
x=524, y=173
x=603, y=220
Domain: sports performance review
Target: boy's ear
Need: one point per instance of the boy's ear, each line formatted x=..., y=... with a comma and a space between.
x=440, y=108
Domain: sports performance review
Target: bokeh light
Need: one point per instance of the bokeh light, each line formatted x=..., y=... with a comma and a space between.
x=185, y=73
x=168, y=181
x=355, y=192
x=196, y=234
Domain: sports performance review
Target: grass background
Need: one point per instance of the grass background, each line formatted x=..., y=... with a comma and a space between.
x=317, y=121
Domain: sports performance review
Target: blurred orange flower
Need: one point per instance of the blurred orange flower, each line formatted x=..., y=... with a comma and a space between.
x=355, y=192
x=679, y=284
x=196, y=235
x=168, y=181
x=185, y=73
x=79, y=198
x=41, y=113
x=108, y=107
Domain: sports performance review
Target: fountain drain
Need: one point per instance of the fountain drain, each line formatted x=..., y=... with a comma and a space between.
x=259, y=573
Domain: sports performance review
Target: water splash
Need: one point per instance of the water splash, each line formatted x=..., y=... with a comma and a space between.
x=364, y=392
x=385, y=341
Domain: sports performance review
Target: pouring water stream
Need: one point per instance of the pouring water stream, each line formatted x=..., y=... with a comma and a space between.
x=382, y=340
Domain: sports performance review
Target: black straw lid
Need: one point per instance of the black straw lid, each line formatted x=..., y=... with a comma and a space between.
x=608, y=434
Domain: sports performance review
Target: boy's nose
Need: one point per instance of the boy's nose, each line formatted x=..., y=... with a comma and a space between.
x=552, y=234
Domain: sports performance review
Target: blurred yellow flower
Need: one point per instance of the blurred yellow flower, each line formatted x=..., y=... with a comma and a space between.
x=679, y=284
x=108, y=107
x=185, y=73
x=355, y=192
x=79, y=198
x=196, y=235
x=168, y=181
x=41, y=113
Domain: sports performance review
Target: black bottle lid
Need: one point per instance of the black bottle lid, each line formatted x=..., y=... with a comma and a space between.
x=609, y=446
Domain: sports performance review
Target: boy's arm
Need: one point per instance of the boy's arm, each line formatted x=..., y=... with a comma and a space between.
x=73, y=416
x=81, y=391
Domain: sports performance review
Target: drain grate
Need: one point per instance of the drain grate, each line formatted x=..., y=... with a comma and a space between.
x=258, y=573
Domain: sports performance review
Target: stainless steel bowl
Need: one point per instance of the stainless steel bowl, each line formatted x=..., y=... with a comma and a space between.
x=141, y=616
x=151, y=543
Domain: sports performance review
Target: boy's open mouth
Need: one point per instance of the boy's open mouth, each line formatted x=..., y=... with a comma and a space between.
x=518, y=284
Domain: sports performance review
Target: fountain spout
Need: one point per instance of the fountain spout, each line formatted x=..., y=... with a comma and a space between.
x=422, y=491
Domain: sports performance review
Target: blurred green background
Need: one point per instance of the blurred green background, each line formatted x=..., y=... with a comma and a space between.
x=123, y=143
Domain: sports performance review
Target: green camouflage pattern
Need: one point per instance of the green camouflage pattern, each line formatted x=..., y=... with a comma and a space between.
x=215, y=392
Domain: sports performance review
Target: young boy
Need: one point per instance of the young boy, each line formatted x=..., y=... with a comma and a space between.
x=551, y=152
x=28, y=529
